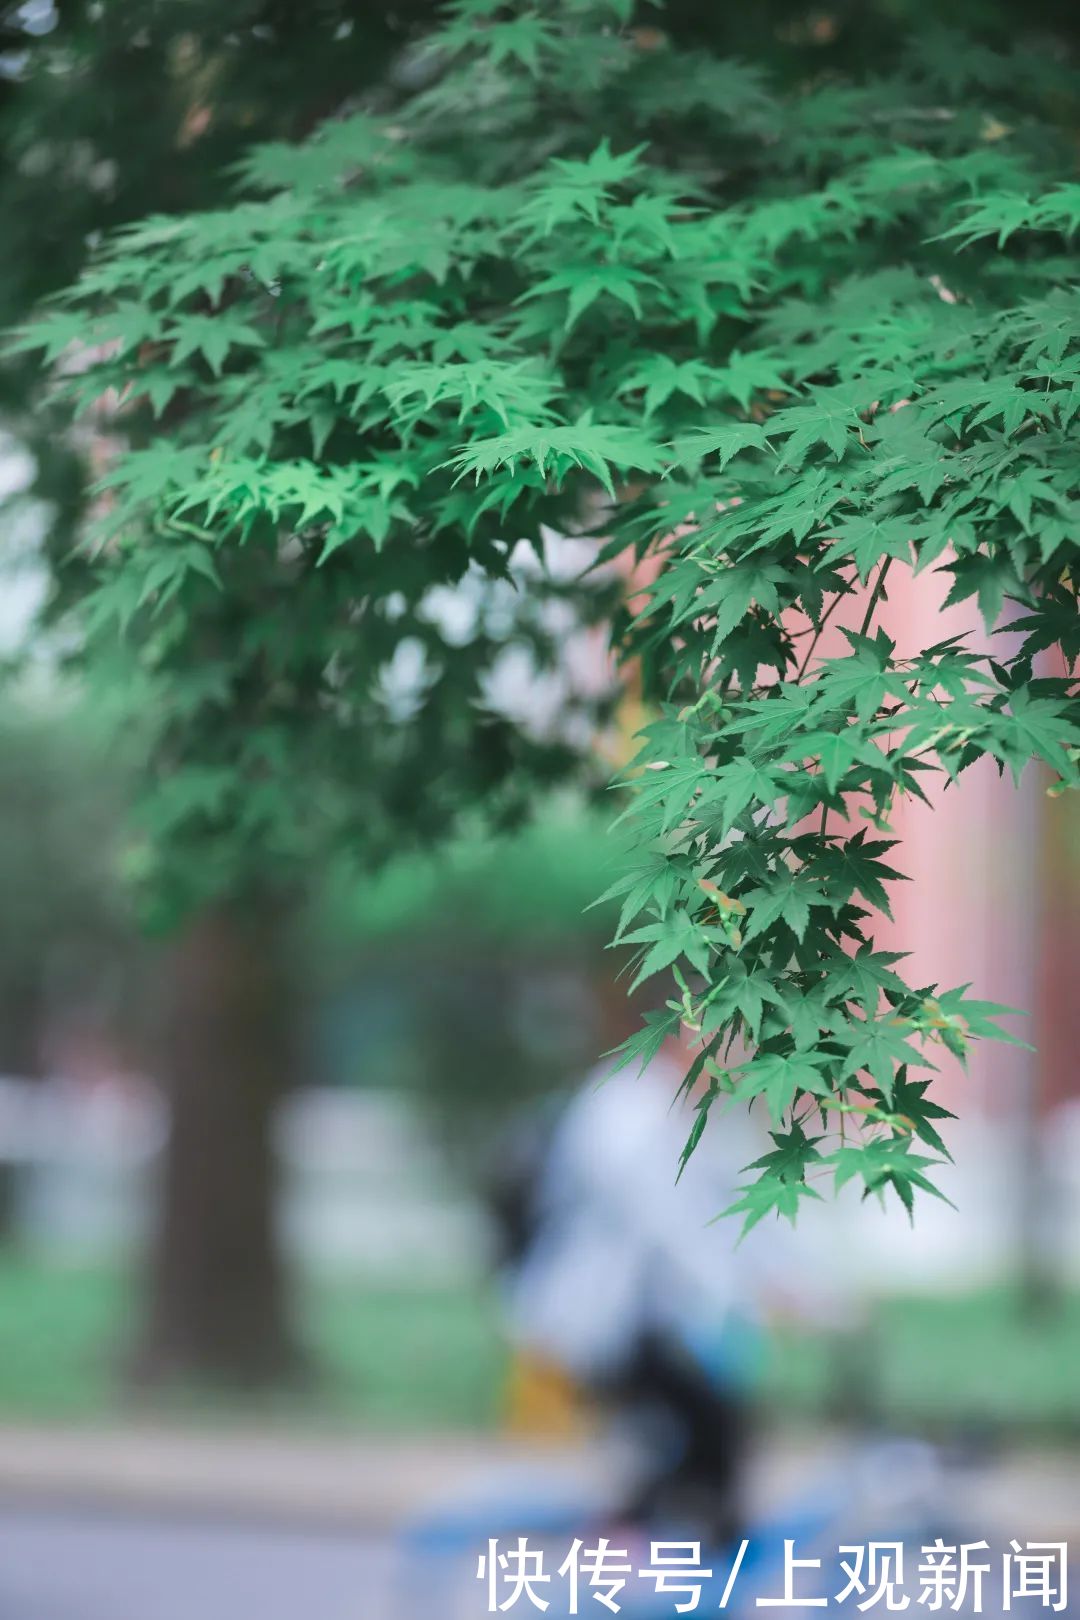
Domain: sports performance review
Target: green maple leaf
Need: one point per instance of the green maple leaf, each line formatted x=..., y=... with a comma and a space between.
x=726, y=441
x=886, y=1163
x=554, y=450
x=910, y=1102
x=661, y=377
x=769, y=1195
x=1036, y=726
x=212, y=336
x=864, y=976
x=584, y=284
x=644, y=1044
x=829, y=417
x=791, y=1157
x=673, y=936
x=729, y=595
x=880, y=1046
x=702, y=1107
x=863, y=679
x=867, y=539
x=736, y=786
x=854, y=867
x=780, y=1079
x=786, y=897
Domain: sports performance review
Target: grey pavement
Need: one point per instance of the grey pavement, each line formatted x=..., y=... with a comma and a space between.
x=352, y=1481
x=58, y=1564
x=161, y=1523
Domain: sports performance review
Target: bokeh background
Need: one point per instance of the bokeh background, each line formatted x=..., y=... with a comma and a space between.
x=147, y=1472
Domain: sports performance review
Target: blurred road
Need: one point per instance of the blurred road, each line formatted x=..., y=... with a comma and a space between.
x=71, y=1564
x=347, y=1482
x=149, y=1525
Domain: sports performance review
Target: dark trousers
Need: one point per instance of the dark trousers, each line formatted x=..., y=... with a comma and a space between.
x=699, y=1476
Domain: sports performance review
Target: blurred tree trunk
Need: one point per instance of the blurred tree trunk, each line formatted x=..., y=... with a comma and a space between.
x=217, y=1287
x=20, y=1022
x=20, y=1058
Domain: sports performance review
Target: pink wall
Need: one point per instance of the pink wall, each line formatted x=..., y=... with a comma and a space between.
x=970, y=912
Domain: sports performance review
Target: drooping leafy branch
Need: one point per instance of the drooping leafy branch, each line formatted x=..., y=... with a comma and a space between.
x=783, y=342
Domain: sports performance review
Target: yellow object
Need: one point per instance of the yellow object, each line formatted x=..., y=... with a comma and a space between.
x=543, y=1401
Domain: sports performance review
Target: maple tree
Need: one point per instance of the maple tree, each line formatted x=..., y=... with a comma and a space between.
x=784, y=336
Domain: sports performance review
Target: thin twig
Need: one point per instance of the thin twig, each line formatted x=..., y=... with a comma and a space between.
x=876, y=595
x=826, y=616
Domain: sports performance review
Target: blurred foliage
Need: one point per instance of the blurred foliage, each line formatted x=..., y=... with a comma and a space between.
x=531, y=889
x=475, y=975
x=394, y=1359
x=960, y=1364
x=417, y=1359
x=111, y=108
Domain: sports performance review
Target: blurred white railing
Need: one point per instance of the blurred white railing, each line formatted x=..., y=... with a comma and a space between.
x=361, y=1185
x=364, y=1188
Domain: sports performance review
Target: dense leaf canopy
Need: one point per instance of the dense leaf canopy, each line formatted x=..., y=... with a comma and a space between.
x=783, y=341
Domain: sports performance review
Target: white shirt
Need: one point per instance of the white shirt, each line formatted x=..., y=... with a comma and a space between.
x=621, y=1249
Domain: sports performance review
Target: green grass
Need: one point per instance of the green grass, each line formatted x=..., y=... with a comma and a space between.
x=61, y=1330
x=408, y=1359
x=934, y=1362
x=389, y=1358
x=401, y=1359
x=981, y=1357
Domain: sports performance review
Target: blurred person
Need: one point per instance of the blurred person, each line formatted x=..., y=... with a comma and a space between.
x=619, y=1286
